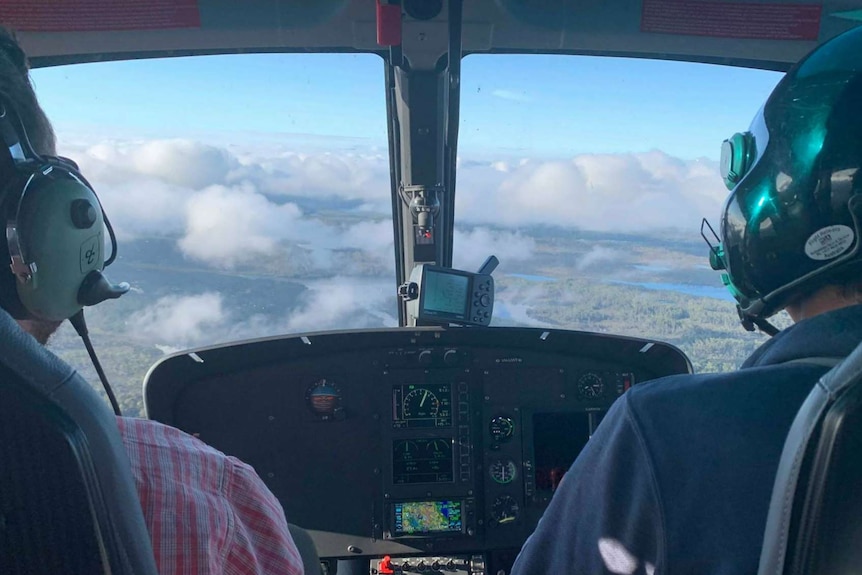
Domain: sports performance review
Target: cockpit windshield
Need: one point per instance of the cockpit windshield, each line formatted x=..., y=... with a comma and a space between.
x=251, y=196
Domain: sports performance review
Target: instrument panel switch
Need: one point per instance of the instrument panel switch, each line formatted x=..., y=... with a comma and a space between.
x=384, y=567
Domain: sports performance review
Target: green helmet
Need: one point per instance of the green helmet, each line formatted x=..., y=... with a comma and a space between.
x=794, y=219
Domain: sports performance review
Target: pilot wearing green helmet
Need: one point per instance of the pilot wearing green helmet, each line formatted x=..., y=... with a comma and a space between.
x=678, y=476
x=792, y=224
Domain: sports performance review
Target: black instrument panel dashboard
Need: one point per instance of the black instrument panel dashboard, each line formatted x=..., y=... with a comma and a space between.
x=407, y=440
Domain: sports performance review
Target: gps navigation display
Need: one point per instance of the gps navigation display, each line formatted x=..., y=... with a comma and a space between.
x=421, y=517
x=446, y=293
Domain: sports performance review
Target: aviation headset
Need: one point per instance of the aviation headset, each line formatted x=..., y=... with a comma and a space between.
x=54, y=232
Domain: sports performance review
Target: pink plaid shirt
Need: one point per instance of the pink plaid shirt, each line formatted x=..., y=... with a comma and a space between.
x=207, y=513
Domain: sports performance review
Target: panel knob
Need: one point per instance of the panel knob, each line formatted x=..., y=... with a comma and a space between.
x=425, y=357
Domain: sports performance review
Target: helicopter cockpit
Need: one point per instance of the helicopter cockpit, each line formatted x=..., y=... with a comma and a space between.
x=433, y=446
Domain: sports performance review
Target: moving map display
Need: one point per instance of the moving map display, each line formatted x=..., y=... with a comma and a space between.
x=421, y=517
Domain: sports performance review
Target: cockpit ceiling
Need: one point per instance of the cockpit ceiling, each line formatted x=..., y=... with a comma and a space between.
x=758, y=33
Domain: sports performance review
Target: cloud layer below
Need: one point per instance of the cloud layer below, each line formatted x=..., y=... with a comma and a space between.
x=322, y=218
x=227, y=206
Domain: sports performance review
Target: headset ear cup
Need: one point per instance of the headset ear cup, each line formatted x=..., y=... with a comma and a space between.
x=737, y=154
x=60, y=230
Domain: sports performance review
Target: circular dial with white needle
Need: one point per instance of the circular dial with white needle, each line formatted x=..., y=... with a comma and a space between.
x=505, y=510
x=503, y=471
x=591, y=386
x=420, y=403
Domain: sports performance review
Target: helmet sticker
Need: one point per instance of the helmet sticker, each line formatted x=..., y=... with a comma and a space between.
x=829, y=242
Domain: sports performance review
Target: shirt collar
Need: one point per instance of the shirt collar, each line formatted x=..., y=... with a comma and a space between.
x=831, y=334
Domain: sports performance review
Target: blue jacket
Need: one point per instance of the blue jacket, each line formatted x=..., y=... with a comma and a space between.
x=677, y=478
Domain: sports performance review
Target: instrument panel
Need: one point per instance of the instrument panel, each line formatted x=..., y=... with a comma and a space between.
x=408, y=440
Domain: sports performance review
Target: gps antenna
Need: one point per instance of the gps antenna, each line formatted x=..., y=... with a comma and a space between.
x=489, y=266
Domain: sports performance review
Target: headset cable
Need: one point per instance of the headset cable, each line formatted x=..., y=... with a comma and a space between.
x=80, y=325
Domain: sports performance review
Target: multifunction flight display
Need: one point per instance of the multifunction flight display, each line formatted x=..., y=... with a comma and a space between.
x=421, y=406
x=422, y=460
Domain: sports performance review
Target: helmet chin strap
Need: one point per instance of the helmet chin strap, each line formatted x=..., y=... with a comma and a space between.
x=750, y=322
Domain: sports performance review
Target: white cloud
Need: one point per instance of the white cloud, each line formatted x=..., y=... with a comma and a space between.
x=182, y=321
x=345, y=303
x=596, y=256
x=184, y=163
x=472, y=248
x=345, y=175
x=223, y=206
x=513, y=305
x=179, y=162
x=602, y=192
x=229, y=204
x=144, y=207
x=227, y=225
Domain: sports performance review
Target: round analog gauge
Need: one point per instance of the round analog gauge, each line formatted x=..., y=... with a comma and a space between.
x=590, y=386
x=406, y=448
x=420, y=403
x=505, y=510
x=438, y=447
x=324, y=399
x=503, y=471
x=501, y=428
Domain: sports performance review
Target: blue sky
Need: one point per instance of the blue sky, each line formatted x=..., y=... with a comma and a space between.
x=523, y=105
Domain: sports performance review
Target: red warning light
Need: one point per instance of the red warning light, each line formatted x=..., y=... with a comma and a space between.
x=627, y=381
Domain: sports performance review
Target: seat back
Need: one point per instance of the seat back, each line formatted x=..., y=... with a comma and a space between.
x=814, y=525
x=68, y=502
x=307, y=550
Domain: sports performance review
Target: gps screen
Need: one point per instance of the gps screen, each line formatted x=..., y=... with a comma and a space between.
x=445, y=293
x=421, y=517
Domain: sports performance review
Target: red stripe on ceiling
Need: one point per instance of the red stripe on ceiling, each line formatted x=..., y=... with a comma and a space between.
x=732, y=19
x=99, y=15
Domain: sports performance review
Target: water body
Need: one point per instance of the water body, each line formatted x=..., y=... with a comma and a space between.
x=688, y=289
x=714, y=292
